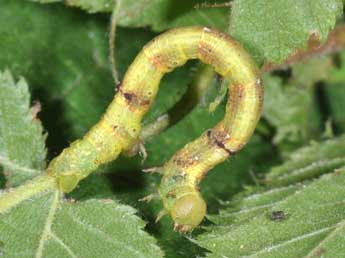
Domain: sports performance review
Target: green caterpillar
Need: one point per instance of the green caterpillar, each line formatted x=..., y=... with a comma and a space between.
x=119, y=128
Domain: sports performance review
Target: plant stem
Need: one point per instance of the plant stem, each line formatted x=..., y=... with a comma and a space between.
x=112, y=35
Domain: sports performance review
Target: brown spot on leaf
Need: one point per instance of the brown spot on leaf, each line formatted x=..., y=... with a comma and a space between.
x=277, y=215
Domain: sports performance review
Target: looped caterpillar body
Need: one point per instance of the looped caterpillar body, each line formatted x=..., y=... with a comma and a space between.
x=120, y=126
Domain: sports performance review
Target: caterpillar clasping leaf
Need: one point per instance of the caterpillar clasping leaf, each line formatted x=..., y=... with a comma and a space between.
x=120, y=125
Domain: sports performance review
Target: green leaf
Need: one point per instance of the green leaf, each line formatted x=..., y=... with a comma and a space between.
x=242, y=209
x=313, y=222
x=22, y=144
x=93, y=6
x=46, y=226
x=272, y=30
x=312, y=218
x=159, y=15
x=309, y=162
x=283, y=180
x=291, y=110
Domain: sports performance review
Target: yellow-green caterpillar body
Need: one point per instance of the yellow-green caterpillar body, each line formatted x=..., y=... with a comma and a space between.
x=119, y=128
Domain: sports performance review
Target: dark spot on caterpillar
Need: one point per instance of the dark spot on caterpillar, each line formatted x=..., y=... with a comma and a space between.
x=184, y=160
x=222, y=146
x=241, y=91
x=277, y=215
x=178, y=161
x=160, y=63
x=176, y=179
x=219, y=143
x=205, y=48
x=145, y=102
x=128, y=96
x=179, y=177
x=206, y=53
x=132, y=98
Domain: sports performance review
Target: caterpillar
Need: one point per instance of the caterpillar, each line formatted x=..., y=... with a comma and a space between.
x=119, y=128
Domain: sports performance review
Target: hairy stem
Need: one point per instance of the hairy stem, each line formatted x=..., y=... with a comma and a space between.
x=112, y=38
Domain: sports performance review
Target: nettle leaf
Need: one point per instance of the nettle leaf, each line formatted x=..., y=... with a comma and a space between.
x=22, y=144
x=241, y=209
x=283, y=180
x=46, y=226
x=286, y=219
x=159, y=15
x=94, y=6
x=272, y=30
x=309, y=162
x=290, y=109
x=306, y=223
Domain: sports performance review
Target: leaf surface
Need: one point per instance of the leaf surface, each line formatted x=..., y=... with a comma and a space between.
x=159, y=15
x=272, y=30
x=311, y=213
x=313, y=223
x=22, y=143
x=46, y=226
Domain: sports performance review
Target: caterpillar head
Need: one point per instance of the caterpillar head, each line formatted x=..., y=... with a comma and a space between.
x=188, y=211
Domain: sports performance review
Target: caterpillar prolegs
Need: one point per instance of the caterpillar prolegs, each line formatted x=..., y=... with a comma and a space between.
x=120, y=125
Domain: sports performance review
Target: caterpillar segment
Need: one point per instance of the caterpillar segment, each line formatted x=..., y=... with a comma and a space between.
x=182, y=174
x=119, y=128
x=194, y=96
